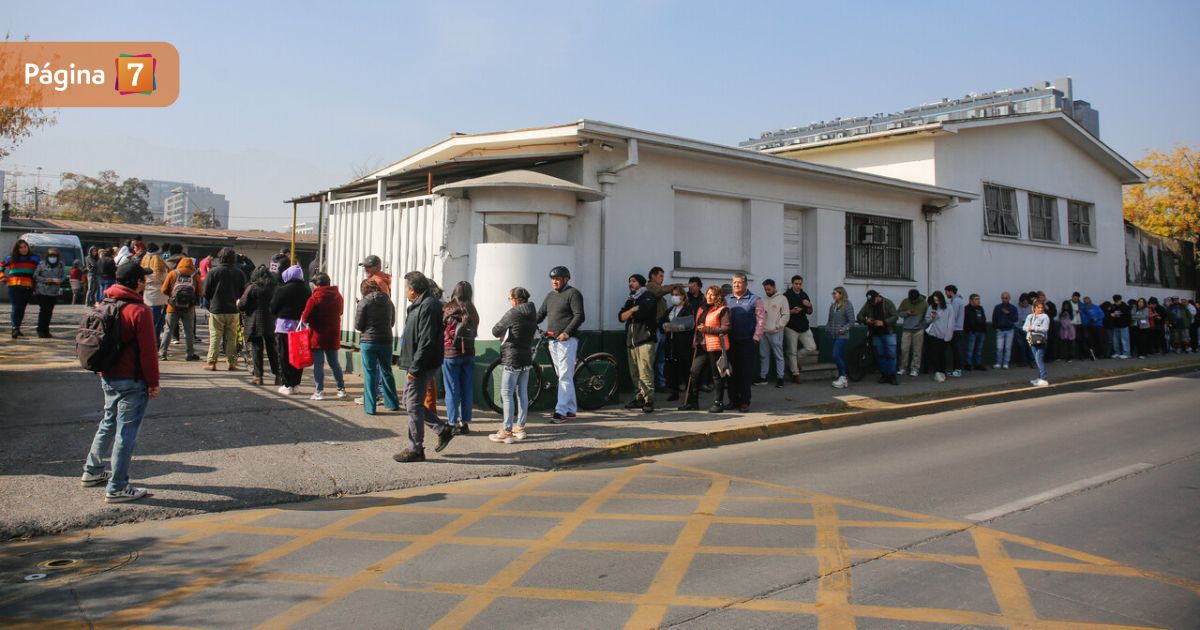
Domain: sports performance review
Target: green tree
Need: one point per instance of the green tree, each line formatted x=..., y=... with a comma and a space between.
x=20, y=109
x=104, y=198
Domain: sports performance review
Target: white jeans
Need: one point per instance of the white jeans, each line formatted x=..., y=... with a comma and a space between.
x=1004, y=341
x=562, y=354
x=795, y=344
x=772, y=343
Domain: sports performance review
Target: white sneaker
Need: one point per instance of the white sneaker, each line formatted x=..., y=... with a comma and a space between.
x=996, y=366
x=502, y=436
x=1034, y=382
x=286, y=391
x=1004, y=367
x=317, y=396
x=914, y=372
x=124, y=495
x=518, y=433
x=358, y=401
x=88, y=480
x=841, y=383
x=939, y=377
x=341, y=392
x=1041, y=382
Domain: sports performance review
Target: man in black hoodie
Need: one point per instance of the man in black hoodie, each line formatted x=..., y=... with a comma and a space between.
x=640, y=314
x=222, y=288
x=421, y=350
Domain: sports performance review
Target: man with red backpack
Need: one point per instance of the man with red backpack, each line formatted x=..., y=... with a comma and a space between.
x=129, y=379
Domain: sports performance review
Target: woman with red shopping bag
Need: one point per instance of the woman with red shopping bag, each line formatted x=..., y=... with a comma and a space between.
x=287, y=305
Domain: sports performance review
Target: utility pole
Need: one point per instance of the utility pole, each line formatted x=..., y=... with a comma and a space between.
x=37, y=189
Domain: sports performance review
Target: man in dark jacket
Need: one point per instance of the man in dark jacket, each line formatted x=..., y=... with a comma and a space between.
x=562, y=310
x=106, y=269
x=878, y=314
x=640, y=315
x=222, y=288
x=128, y=386
x=421, y=353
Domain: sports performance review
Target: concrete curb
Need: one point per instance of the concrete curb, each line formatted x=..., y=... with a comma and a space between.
x=810, y=423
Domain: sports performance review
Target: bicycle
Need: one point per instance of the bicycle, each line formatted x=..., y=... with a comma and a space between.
x=861, y=360
x=595, y=379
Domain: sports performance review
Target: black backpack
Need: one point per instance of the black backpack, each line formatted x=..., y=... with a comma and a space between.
x=183, y=294
x=98, y=340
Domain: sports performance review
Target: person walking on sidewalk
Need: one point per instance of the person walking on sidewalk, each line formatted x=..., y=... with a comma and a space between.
x=515, y=330
x=421, y=353
x=838, y=323
x=639, y=314
x=562, y=310
x=460, y=326
x=913, y=320
x=956, y=306
x=938, y=335
x=1004, y=320
x=49, y=276
x=374, y=318
x=183, y=288
x=775, y=322
x=223, y=285
x=878, y=314
x=975, y=326
x=258, y=324
x=1037, y=331
x=798, y=336
x=128, y=386
x=17, y=271
x=287, y=305
x=747, y=315
x=323, y=314
x=711, y=341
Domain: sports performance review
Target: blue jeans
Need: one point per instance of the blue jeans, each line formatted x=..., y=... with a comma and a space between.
x=562, y=354
x=159, y=314
x=1004, y=342
x=885, y=353
x=319, y=359
x=514, y=396
x=1120, y=341
x=839, y=347
x=975, y=348
x=124, y=405
x=1039, y=358
x=660, y=361
x=377, y=371
x=458, y=376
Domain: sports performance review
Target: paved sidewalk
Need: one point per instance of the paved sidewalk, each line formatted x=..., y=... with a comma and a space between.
x=212, y=442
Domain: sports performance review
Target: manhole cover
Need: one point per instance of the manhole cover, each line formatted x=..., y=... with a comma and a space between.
x=58, y=564
x=34, y=577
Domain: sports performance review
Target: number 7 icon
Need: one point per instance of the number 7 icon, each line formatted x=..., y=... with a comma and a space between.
x=130, y=77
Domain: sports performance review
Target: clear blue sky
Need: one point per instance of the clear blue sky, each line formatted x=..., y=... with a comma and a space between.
x=283, y=98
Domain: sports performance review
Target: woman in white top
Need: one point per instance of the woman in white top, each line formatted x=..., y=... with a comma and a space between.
x=938, y=333
x=1037, y=329
x=153, y=296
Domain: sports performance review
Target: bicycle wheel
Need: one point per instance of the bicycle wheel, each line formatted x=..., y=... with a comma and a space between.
x=491, y=386
x=857, y=362
x=596, y=380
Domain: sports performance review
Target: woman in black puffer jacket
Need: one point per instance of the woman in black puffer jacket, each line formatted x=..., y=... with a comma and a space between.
x=258, y=324
x=287, y=305
x=515, y=330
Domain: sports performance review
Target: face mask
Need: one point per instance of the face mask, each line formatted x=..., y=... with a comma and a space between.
x=675, y=300
x=53, y=259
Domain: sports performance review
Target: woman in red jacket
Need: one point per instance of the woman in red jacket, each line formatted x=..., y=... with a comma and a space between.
x=323, y=314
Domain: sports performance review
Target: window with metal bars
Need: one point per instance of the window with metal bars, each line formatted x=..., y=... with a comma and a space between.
x=1079, y=223
x=878, y=247
x=1043, y=217
x=1000, y=208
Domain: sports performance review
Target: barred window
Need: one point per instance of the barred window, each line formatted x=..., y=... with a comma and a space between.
x=1000, y=207
x=878, y=247
x=1079, y=223
x=1043, y=217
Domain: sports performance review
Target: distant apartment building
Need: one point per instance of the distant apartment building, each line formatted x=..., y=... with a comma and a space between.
x=173, y=203
x=302, y=228
x=1039, y=98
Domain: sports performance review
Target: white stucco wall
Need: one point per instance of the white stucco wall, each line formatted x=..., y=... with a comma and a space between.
x=909, y=157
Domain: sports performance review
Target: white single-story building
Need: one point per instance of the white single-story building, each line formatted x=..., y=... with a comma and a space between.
x=500, y=209
x=1046, y=212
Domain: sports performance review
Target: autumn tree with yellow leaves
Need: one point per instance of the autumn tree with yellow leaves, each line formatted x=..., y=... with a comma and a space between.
x=1168, y=204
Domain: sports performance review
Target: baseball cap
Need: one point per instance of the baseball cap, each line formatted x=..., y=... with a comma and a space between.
x=371, y=261
x=130, y=272
x=871, y=294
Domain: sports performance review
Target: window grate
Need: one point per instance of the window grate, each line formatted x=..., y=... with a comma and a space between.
x=878, y=247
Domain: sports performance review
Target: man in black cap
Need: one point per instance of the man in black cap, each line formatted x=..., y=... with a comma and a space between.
x=562, y=310
x=373, y=268
x=640, y=314
x=128, y=385
x=879, y=316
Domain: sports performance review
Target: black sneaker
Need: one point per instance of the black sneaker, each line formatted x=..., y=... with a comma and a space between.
x=778, y=383
x=760, y=381
x=444, y=438
x=636, y=403
x=569, y=415
x=716, y=408
x=193, y=357
x=558, y=418
x=409, y=455
x=882, y=379
x=648, y=407
x=462, y=429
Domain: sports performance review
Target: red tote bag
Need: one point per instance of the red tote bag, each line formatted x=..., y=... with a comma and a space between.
x=299, y=349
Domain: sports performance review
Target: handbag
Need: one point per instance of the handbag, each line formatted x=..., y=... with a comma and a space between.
x=300, y=348
x=1036, y=338
x=724, y=369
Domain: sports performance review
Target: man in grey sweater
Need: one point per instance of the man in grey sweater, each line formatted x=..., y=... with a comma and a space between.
x=562, y=310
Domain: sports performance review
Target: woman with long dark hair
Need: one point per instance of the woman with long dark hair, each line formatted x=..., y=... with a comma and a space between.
x=460, y=325
x=17, y=271
x=938, y=334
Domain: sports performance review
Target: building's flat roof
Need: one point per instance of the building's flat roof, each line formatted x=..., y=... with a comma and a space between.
x=128, y=230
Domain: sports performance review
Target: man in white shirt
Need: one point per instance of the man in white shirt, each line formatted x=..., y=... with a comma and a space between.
x=778, y=314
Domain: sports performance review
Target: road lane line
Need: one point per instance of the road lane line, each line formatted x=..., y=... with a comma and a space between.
x=1042, y=497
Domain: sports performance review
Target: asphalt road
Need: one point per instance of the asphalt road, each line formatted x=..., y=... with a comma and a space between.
x=1072, y=511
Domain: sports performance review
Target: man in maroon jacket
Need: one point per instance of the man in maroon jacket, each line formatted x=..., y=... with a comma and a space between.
x=128, y=386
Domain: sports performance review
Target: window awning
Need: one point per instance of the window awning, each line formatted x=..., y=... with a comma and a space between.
x=519, y=179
